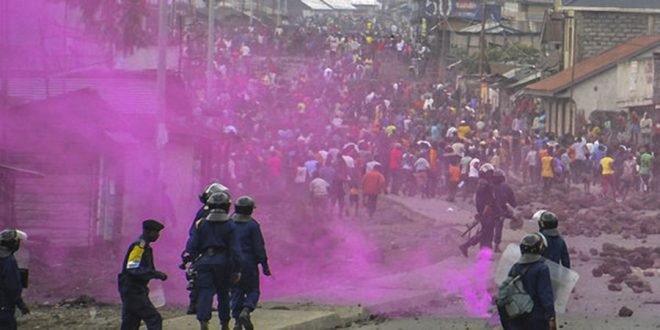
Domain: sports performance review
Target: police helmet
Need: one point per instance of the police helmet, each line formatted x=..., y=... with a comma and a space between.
x=499, y=176
x=245, y=205
x=11, y=239
x=534, y=243
x=212, y=188
x=546, y=219
x=486, y=170
x=219, y=201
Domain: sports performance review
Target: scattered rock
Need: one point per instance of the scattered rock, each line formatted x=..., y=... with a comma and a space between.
x=625, y=312
x=614, y=287
x=593, y=252
x=596, y=272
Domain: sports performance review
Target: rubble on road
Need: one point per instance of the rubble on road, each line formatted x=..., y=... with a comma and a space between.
x=618, y=262
x=591, y=215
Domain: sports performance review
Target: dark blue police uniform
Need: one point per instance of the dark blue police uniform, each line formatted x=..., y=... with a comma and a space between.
x=138, y=269
x=11, y=289
x=536, y=282
x=246, y=293
x=503, y=196
x=214, y=241
x=557, y=250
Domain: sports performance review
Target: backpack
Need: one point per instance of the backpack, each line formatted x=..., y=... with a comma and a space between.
x=512, y=297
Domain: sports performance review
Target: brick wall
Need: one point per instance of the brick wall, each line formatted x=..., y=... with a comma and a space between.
x=600, y=31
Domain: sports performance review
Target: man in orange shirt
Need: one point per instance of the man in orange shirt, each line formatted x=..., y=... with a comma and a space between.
x=453, y=179
x=373, y=184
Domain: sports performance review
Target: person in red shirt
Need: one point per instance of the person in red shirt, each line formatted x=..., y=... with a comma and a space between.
x=275, y=169
x=396, y=155
x=373, y=183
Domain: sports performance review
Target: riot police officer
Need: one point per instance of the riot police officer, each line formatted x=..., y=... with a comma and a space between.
x=185, y=257
x=215, y=247
x=11, y=281
x=203, y=211
x=137, y=270
x=557, y=250
x=535, y=277
x=245, y=294
x=504, y=197
x=487, y=210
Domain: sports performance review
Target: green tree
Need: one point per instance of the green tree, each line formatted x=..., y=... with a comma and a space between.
x=119, y=23
x=510, y=53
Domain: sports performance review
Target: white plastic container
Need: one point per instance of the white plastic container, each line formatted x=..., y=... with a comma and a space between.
x=563, y=279
x=156, y=293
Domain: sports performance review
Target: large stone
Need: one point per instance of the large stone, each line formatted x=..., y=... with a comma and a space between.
x=614, y=287
x=625, y=312
x=596, y=272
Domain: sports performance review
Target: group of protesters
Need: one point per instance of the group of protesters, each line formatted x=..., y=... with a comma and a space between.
x=299, y=106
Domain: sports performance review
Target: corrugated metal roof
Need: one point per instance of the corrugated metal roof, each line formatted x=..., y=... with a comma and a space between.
x=315, y=5
x=340, y=4
x=491, y=27
x=374, y=3
x=618, y=4
x=594, y=65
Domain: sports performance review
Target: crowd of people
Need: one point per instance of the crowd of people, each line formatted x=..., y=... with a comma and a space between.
x=323, y=122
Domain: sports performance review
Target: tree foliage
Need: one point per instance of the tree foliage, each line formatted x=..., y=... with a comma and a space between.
x=514, y=53
x=119, y=23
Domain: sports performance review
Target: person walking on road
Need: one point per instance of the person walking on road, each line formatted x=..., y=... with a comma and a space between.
x=373, y=184
x=215, y=246
x=137, y=270
x=557, y=250
x=487, y=210
x=535, y=276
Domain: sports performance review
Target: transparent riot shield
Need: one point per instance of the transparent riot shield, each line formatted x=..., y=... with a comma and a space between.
x=563, y=279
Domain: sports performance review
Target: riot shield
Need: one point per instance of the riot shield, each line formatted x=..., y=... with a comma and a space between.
x=563, y=279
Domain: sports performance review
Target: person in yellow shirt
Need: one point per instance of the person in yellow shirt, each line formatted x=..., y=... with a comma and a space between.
x=607, y=175
x=547, y=172
x=463, y=130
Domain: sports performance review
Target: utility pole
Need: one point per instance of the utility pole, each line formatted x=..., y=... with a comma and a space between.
x=161, y=76
x=482, y=40
x=483, y=88
x=210, y=54
x=161, y=82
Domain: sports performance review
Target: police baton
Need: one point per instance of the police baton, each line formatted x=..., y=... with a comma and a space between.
x=471, y=226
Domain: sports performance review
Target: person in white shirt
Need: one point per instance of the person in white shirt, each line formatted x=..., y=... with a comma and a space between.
x=319, y=189
x=580, y=163
x=422, y=167
x=472, y=179
x=532, y=160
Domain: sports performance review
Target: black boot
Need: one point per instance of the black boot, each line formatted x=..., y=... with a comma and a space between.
x=237, y=325
x=464, y=249
x=192, y=308
x=245, y=319
x=225, y=326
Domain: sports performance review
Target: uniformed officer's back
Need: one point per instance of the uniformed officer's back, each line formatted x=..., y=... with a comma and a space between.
x=214, y=246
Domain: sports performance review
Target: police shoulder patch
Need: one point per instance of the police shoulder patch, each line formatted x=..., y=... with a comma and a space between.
x=135, y=257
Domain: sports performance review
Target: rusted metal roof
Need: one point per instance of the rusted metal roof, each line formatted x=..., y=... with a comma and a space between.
x=593, y=65
x=612, y=5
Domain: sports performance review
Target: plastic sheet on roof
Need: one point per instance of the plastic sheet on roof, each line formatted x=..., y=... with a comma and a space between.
x=340, y=4
x=316, y=5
